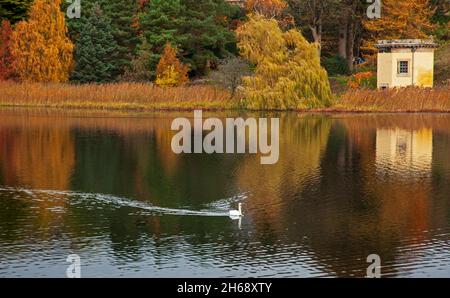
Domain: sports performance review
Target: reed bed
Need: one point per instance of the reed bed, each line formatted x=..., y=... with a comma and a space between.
x=411, y=99
x=148, y=97
x=120, y=96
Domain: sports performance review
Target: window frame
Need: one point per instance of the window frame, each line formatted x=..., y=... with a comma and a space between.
x=399, y=68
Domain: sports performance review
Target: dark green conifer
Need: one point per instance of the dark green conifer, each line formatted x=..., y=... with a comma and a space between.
x=95, y=50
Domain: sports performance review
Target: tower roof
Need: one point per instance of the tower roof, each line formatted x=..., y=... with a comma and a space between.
x=406, y=43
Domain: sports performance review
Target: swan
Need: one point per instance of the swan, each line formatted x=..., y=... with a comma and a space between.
x=236, y=214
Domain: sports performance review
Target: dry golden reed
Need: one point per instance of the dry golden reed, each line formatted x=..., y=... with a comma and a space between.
x=147, y=97
x=133, y=96
x=410, y=99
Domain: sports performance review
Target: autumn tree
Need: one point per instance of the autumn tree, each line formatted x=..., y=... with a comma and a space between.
x=272, y=9
x=399, y=20
x=267, y=8
x=40, y=46
x=6, y=58
x=170, y=71
x=288, y=74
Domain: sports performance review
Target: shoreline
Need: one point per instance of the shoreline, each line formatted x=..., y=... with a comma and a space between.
x=140, y=97
x=172, y=108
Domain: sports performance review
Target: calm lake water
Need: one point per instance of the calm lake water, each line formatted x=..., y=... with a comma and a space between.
x=108, y=188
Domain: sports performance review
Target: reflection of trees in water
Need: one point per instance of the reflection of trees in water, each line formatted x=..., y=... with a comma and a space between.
x=324, y=194
x=132, y=158
x=440, y=187
x=141, y=165
x=7, y=148
x=302, y=142
x=354, y=211
x=40, y=158
x=13, y=211
x=331, y=214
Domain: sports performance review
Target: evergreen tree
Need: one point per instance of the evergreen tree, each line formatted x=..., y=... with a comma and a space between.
x=198, y=28
x=139, y=70
x=207, y=38
x=14, y=10
x=95, y=52
x=160, y=23
x=74, y=25
x=441, y=19
x=122, y=14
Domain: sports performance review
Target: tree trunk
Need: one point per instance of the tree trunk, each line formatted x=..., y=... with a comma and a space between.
x=317, y=35
x=350, y=43
x=342, y=43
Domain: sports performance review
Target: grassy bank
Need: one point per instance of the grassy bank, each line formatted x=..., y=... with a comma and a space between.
x=147, y=97
x=411, y=99
x=123, y=96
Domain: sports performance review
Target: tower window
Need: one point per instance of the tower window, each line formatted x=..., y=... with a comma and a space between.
x=403, y=67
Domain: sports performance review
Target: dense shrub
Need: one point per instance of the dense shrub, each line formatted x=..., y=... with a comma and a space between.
x=336, y=65
x=365, y=80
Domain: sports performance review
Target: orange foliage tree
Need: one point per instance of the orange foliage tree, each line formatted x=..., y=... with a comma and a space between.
x=5, y=51
x=272, y=9
x=40, y=46
x=170, y=71
x=399, y=20
x=267, y=8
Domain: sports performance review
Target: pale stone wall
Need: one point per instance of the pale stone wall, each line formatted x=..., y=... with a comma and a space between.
x=400, y=80
x=420, y=72
x=384, y=76
x=423, y=67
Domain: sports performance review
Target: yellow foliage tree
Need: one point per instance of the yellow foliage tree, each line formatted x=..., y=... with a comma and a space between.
x=399, y=20
x=40, y=46
x=170, y=71
x=288, y=74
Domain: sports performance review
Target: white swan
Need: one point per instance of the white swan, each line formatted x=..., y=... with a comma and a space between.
x=236, y=214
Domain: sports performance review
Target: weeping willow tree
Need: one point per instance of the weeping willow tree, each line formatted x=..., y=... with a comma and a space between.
x=288, y=74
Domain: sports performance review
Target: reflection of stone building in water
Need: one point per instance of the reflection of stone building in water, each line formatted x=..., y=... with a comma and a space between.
x=404, y=152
